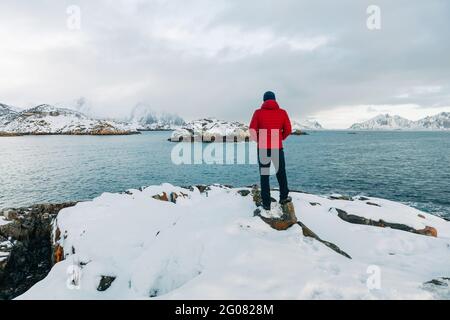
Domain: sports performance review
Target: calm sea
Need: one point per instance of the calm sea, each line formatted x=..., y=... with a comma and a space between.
x=410, y=167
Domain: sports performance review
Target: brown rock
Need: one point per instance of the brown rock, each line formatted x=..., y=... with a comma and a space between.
x=57, y=235
x=279, y=224
x=162, y=197
x=58, y=254
x=428, y=231
x=421, y=216
x=351, y=218
x=172, y=197
x=287, y=220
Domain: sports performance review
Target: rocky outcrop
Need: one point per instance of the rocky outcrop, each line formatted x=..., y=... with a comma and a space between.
x=340, y=197
x=351, y=218
x=105, y=283
x=439, y=288
x=144, y=258
x=309, y=233
x=443, y=282
x=26, y=247
x=288, y=219
x=171, y=197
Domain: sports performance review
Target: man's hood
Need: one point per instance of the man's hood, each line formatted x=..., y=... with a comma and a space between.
x=270, y=105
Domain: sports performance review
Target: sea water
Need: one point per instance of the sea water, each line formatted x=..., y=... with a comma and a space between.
x=409, y=167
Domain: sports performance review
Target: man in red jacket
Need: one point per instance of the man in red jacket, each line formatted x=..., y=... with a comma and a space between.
x=270, y=125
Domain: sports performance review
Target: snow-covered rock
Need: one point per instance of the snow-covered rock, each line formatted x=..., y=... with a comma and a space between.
x=143, y=118
x=440, y=121
x=384, y=122
x=210, y=130
x=47, y=119
x=167, y=242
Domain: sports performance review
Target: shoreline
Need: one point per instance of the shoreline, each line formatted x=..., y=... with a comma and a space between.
x=12, y=134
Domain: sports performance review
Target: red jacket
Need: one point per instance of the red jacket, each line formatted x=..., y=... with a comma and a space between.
x=270, y=125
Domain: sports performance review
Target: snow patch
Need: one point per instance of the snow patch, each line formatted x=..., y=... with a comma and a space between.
x=210, y=246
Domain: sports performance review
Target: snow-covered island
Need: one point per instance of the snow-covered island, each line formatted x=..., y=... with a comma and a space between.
x=211, y=130
x=440, y=121
x=46, y=119
x=301, y=127
x=204, y=242
x=214, y=130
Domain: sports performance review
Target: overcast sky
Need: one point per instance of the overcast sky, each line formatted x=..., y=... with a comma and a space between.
x=216, y=58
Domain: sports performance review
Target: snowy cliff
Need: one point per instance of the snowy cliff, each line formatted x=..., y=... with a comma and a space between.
x=203, y=242
x=47, y=119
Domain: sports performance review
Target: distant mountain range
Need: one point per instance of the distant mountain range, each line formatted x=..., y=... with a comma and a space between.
x=440, y=121
x=47, y=119
x=144, y=118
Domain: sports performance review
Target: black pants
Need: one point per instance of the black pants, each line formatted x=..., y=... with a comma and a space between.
x=275, y=156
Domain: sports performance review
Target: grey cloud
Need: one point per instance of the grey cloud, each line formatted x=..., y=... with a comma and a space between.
x=119, y=60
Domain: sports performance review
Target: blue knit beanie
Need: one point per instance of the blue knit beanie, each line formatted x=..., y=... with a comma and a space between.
x=269, y=95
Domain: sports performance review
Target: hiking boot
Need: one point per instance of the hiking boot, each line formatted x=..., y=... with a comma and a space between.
x=267, y=208
x=284, y=201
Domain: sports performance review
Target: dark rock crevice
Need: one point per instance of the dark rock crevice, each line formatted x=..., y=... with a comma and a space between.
x=27, y=248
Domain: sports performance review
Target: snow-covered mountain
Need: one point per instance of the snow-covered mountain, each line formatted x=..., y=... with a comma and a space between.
x=7, y=113
x=384, y=122
x=306, y=125
x=47, y=119
x=144, y=118
x=301, y=127
x=6, y=109
x=440, y=121
x=205, y=243
x=210, y=130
